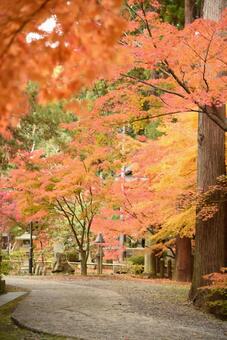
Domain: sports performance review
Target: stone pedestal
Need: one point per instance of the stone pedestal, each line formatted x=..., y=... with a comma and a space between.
x=150, y=264
x=147, y=263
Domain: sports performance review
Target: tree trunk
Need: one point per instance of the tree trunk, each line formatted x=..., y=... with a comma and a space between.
x=210, y=234
x=83, y=263
x=189, y=6
x=183, y=259
x=212, y=9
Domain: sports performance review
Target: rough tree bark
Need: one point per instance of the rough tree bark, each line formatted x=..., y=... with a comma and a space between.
x=210, y=235
x=183, y=259
x=189, y=6
x=213, y=9
x=83, y=263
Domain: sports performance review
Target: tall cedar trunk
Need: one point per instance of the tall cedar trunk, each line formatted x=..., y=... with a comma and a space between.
x=210, y=235
x=183, y=259
x=83, y=263
x=213, y=10
x=189, y=6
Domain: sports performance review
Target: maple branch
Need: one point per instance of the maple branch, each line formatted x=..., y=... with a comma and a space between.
x=81, y=204
x=205, y=62
x=83, y=207
x=171, y=249
x=165, y=62
x=160, y=115
x=146, y=21
x=131, y=213
x=85, y=167
x=153, y=86
x=91, y=199
x=68, y=206
x=132, y=9
x=21, y=27
x=70, y=223
x=79, y=200
x=214, y=118
x=88, y=236
x=191, y=48
x=181, y=83
x=74, y=214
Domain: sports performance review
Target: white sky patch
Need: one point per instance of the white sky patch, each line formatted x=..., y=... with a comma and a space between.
x=32, y=36
x=48, y=25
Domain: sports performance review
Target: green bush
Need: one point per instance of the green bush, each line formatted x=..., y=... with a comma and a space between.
x=135, y=269
x=136, y=260
x=72, y=256
x=5, y=266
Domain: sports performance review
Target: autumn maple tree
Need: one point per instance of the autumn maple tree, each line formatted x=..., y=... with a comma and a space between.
x=71, y=185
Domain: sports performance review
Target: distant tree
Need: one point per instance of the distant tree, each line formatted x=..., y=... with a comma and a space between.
x=40, y=128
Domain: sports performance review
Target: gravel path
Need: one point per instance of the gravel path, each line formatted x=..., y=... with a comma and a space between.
x=93, y=309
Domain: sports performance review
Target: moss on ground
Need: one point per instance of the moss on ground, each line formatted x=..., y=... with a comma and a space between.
x=9, y=331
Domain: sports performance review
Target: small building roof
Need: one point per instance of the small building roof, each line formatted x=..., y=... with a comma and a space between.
x=25, y=237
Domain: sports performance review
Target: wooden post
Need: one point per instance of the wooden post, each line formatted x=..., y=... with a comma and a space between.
x=0, y=266
x=162, y=268
x=154, y=267
x=99, y=257
x=157, y=264
x=169, y=269
x=2, y=282
x=30, y=261
x=147, y=262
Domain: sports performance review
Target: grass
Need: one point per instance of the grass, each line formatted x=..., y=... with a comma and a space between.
x=9, y=331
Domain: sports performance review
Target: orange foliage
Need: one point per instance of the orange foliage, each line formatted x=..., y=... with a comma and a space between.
x=39, y=35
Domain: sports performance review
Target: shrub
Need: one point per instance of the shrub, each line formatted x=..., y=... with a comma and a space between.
x=5, y=266
x=137, y=260
x=136, y=269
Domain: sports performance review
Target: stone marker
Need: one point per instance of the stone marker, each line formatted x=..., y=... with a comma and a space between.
x=61, y=264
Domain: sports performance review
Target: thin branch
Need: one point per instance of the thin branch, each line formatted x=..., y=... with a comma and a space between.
x=205, y=61
x=181, y=83
x=132, y=9
x=153, y=86
x=159, y=115
x=70, y=223
x=88, y=236
x=171, y=249
x=146, y=21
